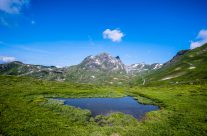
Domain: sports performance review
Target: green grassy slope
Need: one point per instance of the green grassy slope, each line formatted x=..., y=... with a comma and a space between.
x=190, y=67
x=38, y=71
x=26, y=110
x=75, y=74
x=71, y=74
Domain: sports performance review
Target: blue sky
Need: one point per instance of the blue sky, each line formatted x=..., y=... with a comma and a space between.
x=64, y=32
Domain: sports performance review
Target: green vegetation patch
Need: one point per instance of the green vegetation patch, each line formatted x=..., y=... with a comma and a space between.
x=26, y=108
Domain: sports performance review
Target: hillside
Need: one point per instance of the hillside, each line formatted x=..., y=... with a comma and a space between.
x=99, y=69
x=38, y=71
x=188, y=66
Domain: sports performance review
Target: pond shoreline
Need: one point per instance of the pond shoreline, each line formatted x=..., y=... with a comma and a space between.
x=106, y=106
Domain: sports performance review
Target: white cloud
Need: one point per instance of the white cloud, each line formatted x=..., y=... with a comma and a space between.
x=202, y=34
x=13, y=6
x=114, y=35
x=201, y=39
x=6, y=59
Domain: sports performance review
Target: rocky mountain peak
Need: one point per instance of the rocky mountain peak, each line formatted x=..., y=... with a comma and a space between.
x=117, y=57
x=102, y=61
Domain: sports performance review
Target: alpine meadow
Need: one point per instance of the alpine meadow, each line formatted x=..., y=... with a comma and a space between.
x=103, y=68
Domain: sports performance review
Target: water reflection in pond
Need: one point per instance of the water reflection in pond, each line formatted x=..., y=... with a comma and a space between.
x=105, y=106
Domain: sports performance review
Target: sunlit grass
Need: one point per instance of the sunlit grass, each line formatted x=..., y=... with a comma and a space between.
x=26, y=109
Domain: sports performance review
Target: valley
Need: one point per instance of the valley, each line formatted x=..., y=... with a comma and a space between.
x=178, y=88
x=26, y=109
x=103, y=68
x=99, y=69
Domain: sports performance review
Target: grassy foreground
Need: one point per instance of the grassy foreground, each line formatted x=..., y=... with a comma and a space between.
x=25, y=109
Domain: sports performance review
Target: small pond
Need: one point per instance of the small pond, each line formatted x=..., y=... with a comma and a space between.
x=105, y=106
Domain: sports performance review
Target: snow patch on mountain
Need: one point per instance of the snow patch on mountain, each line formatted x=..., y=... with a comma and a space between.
x=140, y=67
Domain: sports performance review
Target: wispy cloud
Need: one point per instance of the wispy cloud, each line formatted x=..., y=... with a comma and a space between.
x=13, y=6
x=6, y=59
x=4, y=22
x=11, y=12
x=115, y=35
x=201, y=39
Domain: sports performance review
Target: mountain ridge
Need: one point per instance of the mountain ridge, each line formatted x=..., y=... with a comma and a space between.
x=106, y=69
x=186, y=67
x=99, y=68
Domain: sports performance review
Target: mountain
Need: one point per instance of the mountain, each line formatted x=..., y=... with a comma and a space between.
x=187, y=66
x=103, y=62
x=104, y=68
x=100, y=69
x=176, y=57
x=141, y=67
x=38, y=71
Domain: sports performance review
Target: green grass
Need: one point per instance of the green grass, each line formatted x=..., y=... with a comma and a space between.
x=26, y=109
x=179, y=71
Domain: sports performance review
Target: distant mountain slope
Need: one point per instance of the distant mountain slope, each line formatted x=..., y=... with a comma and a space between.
x=141, y=67
x=187, y=66
x=38, y=71
x=103, y=62
x=100, y=69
